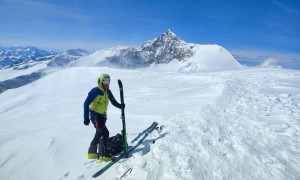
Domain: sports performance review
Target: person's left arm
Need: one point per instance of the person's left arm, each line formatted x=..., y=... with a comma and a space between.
x=113, y=100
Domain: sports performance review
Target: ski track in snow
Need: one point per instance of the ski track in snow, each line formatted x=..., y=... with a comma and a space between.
x=10, y=157
x=220, y=125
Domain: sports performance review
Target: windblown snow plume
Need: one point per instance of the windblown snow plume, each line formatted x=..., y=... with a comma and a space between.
x=270, y=63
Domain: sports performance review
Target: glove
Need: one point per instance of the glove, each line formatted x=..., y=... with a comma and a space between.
x=86, y=121
x=122, y=106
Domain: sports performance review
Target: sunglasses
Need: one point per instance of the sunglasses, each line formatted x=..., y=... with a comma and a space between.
x=106, y=81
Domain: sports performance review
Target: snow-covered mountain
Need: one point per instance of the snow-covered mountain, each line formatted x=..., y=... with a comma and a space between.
x=10, y=56
x=166, y=51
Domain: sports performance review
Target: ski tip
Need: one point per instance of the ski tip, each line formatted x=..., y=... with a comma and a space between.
x=119, y=82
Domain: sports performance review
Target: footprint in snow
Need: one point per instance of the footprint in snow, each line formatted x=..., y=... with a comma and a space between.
x=65, y=176
x=81, y=177
x=280, y=127
x=90, y=162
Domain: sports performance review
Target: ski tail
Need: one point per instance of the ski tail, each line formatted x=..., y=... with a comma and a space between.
x=146, y=130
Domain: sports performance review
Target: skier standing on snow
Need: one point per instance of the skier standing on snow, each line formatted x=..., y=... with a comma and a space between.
x=96, y=105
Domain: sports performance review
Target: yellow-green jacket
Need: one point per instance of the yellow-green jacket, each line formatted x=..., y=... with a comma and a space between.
x=97, y=99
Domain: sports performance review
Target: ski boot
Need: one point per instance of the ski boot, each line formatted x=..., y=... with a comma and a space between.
x=92, y=156
x=106, y=158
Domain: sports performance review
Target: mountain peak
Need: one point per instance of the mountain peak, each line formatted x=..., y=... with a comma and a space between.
x=170, y=32
x=167, y=36
x=163, y=40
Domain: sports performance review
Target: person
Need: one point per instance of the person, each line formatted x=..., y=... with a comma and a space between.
x=95, y=107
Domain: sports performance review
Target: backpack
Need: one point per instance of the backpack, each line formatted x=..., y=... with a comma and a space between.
x=115, y=144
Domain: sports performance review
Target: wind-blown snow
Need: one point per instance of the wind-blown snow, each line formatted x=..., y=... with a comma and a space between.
x=241, y=124
x=99, y=57
x=270, y=62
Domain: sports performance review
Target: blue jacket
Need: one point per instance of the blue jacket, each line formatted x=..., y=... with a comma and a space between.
x=97, y=101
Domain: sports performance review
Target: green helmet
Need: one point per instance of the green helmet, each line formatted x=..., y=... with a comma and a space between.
x=100, y=79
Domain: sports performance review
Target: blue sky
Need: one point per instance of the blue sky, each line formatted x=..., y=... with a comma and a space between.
x=240, y=26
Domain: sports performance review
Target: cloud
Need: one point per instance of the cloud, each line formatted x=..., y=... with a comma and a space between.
x=285, y=8
x=20, y=10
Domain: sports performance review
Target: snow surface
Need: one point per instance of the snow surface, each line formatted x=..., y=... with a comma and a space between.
x=241, y=124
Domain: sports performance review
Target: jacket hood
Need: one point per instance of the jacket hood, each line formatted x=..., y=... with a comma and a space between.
x=103, y=76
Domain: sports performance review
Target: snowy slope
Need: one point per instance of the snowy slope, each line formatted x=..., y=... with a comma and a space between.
x=205, y=58
x=24, y=69
x=219, y=125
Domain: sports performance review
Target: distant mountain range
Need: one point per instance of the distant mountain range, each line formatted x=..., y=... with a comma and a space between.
x=16, y=55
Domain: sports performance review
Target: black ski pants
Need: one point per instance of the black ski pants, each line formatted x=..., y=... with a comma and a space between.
x=101, y=136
